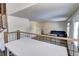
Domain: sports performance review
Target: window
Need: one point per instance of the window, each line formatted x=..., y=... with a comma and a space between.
x=75, y=35
x=76, y=25
x=68, y=29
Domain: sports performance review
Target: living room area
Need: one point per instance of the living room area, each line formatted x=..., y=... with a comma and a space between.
x=48, y=24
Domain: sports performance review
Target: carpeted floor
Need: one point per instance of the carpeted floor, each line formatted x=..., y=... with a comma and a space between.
x=1, y=53
x=77, y=53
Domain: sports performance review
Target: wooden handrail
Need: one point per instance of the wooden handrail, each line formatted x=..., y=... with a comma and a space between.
x=47, y=36
x=61, y=38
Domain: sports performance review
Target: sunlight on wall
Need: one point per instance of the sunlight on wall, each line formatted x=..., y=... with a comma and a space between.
x=35, y=27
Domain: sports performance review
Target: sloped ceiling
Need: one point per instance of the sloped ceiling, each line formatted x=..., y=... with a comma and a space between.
x=15, y=7
x=48, y=11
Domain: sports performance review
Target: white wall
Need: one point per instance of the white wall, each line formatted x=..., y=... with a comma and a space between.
x=35, y=27
x=74, y=18
x=16, y=23
x=59, y=26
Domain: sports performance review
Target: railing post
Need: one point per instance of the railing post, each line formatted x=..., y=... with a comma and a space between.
x=18, y=34
x=73, y=48
x=5, y=41
x=5, y=37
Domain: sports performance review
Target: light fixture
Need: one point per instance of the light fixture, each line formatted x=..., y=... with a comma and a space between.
x=59, y=19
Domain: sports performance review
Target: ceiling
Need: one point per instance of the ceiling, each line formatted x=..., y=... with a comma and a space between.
x=15, y=7
x=47, y=11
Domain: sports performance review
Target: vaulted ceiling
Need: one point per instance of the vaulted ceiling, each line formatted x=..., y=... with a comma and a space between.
x=15, y=7
x=46, y=11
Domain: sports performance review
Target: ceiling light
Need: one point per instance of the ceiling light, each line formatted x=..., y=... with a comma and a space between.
x=59, y=19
